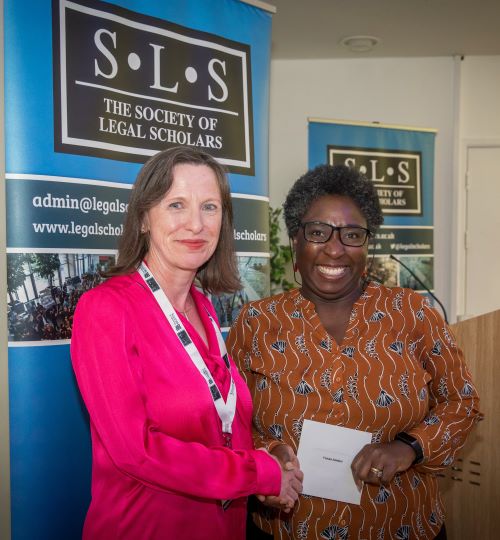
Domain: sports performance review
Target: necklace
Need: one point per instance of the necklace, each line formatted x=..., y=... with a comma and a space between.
x=186, y=310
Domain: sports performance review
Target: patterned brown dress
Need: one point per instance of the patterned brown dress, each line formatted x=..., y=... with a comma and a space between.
x=397, y=369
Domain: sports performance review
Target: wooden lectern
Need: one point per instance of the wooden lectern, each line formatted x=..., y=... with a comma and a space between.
x=471, y=486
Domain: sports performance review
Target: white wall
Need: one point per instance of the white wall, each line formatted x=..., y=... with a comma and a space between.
x=416, y=92
x=479, y=124
x=480, y=101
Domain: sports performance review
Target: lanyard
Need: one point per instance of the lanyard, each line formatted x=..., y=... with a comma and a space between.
x=225, y=409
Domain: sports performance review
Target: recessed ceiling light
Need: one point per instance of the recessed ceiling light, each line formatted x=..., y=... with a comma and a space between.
x=360, y=43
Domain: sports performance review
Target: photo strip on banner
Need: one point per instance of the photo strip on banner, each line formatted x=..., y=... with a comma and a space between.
x=74, y=225
x=59, y=250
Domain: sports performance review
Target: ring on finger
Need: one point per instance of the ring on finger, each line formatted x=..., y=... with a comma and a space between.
x=377, y=472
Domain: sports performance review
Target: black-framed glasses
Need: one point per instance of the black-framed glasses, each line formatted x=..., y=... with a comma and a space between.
x=319, y=233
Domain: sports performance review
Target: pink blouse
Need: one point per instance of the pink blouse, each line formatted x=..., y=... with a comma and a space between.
x=159, y=467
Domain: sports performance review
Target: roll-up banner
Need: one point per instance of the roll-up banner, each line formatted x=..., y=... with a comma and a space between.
x=400, y=162
x=92, y=90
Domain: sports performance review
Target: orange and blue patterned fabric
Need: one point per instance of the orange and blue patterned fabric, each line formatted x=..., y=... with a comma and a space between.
x=397, y=369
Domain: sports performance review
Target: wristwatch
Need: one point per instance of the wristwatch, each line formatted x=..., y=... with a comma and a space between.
x=411, y=441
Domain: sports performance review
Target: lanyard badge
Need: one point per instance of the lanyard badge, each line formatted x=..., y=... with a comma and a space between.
x=225, y=409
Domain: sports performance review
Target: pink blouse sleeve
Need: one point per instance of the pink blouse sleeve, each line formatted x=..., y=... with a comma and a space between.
x=101, y=351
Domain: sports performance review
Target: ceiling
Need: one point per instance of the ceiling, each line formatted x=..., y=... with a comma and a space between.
x=313, y=28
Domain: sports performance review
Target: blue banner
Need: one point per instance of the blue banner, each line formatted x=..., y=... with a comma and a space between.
x=92, y=90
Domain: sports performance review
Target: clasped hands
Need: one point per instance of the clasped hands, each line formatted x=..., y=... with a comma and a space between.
x=376, y=463
x=291, y=479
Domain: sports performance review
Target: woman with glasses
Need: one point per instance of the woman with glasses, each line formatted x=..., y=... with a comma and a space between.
x=347, y=351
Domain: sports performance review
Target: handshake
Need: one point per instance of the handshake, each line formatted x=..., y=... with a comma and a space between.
x=291, y=479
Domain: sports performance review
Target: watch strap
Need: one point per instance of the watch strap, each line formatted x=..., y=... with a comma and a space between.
x=411, y=441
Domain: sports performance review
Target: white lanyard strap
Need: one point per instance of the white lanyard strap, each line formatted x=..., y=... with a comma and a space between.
x=225, y=409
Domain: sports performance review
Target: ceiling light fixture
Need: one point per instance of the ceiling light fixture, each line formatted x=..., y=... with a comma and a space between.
x=360, y=44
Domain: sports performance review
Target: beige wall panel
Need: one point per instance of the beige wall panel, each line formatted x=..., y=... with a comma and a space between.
x=471, y=487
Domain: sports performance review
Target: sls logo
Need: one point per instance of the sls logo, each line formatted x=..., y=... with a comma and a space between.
x=396, y=174
x=128, y=85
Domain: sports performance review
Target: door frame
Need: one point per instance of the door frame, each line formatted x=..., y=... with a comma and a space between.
x=458, y=277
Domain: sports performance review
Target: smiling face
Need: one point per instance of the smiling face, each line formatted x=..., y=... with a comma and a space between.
x=184, y=226
x=331, y=271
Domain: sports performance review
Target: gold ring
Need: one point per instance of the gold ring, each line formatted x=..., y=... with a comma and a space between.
x=377, y=472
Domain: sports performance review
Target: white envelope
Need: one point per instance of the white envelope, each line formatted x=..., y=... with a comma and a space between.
x=325, y=453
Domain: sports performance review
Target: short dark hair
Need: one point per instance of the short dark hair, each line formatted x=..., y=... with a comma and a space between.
x=220, y=273
x=332, y=180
